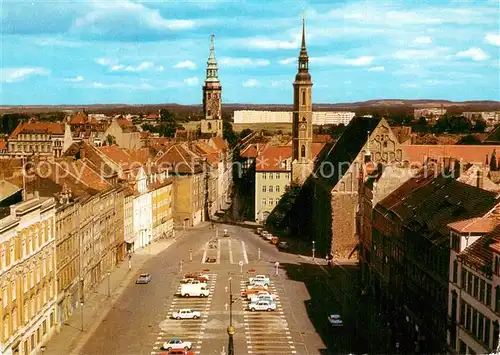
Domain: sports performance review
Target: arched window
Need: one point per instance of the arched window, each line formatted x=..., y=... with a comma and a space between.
x=303, y=97
x=303, y=151
x=209, y=113
x=209, y=125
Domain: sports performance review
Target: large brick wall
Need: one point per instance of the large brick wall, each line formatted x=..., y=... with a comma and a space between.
x=344, y=238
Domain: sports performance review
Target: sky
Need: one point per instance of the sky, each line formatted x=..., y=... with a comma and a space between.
x=153, y=52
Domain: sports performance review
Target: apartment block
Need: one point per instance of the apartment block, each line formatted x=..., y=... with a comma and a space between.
x=28, y=275
x=474, y=286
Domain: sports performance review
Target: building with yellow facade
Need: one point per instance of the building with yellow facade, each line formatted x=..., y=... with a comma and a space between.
x=27, y=276
x=162, y=199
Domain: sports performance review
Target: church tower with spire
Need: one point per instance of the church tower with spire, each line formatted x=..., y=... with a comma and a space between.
x=302, y=128
x=212, y=100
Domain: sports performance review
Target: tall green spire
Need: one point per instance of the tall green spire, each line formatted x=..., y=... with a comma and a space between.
x=212, y=69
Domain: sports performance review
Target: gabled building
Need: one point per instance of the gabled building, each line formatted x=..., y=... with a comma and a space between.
x=190, y=184
x=123, y=133
x=43, y=139
x=87, y=128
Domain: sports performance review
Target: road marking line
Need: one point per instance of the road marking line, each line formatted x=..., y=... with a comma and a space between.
x=230, y=252
x=245, y=256
x=218, y=252
x=204, y=257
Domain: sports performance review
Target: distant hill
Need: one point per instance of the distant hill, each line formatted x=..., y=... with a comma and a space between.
x=386, y=106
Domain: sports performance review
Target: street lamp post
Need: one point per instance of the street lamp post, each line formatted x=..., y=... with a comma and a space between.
x=314, y=248
x=258, y=253
x=109, y=284
x=81, y=313
x=230, y=329
x=190, y=254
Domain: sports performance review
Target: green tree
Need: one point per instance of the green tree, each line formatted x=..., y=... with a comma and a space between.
x=229, y=135
x=168, y=123
x=480, y=125
x=493, y=161
x=469, y=140
x=10, y=121
x=245, y=132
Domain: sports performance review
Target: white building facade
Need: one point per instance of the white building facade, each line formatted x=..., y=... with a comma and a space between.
x=143, y=212
x=318, y=118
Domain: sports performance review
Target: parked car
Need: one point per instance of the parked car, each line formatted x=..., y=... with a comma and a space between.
x=177, y=343
x=143, y=279
x=186, y=314
x=262, y=294
x=260, y=283
x=264, y=233
x=178, y=352
x=262, y=306
x=195, y=276
x=335, y=320
x=258, y=231
x=269, y=237
x=262, y=278
x=253, y=290
x=283, y=245
x=195, y=290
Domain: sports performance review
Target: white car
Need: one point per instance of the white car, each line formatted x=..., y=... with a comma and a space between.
x=177, y=343
x=262, y=306
x=257, y=284
x=335, y=320
x=186, y=314
x=263, y=278
x=262, y=294
x=196, y=282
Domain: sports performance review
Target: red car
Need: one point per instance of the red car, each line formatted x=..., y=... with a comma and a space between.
x=178, y=352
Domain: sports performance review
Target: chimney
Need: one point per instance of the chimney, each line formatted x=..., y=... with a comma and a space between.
x=480, y=179
x=82, y=152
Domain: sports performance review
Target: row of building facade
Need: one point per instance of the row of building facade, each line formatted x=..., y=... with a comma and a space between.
x=319, y=118
x=68, y=221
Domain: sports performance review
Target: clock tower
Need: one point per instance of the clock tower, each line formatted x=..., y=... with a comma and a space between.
x=212, y=100
x=302, y=129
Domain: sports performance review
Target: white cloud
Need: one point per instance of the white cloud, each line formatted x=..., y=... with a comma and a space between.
x=288, y=60
x=186, y=64
x=125, y=86
x=243, y=62
x=75, y=79
x=263, y=43
x=250, y=83
x=338, y=60
x=420, y=54
x=193, y=81
x=56, y=42
x=493, y=38
x=105, y=61
x=277, y=83
x=113, y=65
x=129, y=68
x=474, y=53
x=422, y=40
x=377, y=68
x=10, y=75
x=104, y=14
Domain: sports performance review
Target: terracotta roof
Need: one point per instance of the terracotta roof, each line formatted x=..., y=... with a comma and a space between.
x=117, y=155
x=152, y=116
x=85, y=174
x=429, y=204
x=37, y=128
x=274, y=158
x=321, y=138
x=79, y=118
x=469, y=176
x=141, y=155
x=250, y=151
x=124, y=123
x=480, y=253
x=219, y=143
x=467, y=153
x=3, y=145
x=475, y=225
x=180, y=159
